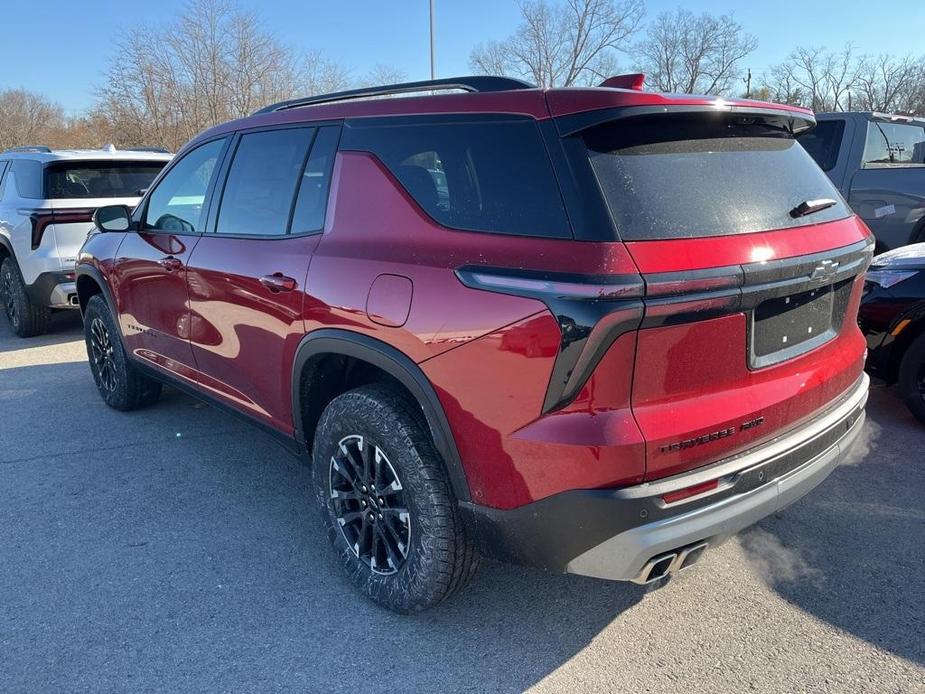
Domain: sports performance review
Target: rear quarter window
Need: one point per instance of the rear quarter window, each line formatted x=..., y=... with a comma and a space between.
x=686, y=177
x=28, y=175
x=490, y=175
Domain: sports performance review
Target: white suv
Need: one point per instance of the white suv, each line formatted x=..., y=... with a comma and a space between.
x=47, y=200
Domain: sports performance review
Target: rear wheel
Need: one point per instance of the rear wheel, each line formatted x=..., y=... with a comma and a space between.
x=26, y=319
x=119, y=383
x=386, y=501
x=912, y=377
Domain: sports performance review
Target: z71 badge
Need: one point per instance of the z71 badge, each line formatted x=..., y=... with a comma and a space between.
x=712, y=436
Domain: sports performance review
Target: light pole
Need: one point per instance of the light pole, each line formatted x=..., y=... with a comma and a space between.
x=433, y=67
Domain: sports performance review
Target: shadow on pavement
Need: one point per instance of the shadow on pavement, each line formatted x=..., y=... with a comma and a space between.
x=852, y=553
x=65, y=326
x=178, y=549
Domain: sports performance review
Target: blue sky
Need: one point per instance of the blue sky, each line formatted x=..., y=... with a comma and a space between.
x=61, y=47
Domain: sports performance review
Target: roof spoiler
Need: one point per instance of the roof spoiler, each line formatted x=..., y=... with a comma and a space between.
x=795, y=122
x=29, y=148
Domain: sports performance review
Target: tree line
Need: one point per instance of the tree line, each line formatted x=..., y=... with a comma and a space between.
x=217, y=62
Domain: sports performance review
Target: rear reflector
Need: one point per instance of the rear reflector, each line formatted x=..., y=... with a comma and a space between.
x=688, y=492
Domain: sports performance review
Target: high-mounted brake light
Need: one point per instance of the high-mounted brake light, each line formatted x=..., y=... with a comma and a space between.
x=633, y=80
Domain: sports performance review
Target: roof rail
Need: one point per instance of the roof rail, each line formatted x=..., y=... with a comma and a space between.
x=156, y=150
x=29, y=148
x=475, y=83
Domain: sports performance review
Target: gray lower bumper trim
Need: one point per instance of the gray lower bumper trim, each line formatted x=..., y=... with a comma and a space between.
x=623, y=556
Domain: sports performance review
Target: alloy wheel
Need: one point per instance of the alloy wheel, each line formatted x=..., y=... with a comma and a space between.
x=9, y=302
x=369, y=505
x=102, y=352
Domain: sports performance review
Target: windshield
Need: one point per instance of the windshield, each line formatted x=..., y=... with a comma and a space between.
x=685, y=177
x=102, y=179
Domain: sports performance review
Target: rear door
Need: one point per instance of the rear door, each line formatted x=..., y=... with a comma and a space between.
x=750, y=300
x=151, y=265
x=247, y=275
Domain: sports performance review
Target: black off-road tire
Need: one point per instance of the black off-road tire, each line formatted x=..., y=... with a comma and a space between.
x=25, y=318
x=912, y=378
x=121, y=386
x=440, y=556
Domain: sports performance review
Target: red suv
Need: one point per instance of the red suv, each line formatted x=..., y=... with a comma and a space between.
x=592, y=330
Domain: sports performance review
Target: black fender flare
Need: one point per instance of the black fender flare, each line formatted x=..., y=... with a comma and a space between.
x=94, y=274
x=397, y=365
x=8, y=247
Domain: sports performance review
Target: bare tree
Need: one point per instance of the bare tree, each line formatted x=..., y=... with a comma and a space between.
x=564, y=44
x=213, y=63
x=27, y=118
x=684, y=52
x=887, y=83
x=816, y=77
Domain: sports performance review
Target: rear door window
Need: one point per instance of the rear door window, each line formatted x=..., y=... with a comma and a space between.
x=685, y=177
x=100, y=179
x=483, y=174
x=823, y=142
x=894, y=144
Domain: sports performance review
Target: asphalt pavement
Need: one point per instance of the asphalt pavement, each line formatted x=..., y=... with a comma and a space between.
x=177, y=549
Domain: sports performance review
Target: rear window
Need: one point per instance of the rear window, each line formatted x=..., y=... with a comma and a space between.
x=894, y=144
x=823, y=142
x=686, y=177
x=491, y=175
x=100, y=179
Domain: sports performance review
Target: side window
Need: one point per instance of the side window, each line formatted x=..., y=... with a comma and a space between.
x=3, y=167
x=316, y=180
x=894, y=143
x=823, y=142
x=475, y=175
x=28, y=175
x=262, y=182
x=177, y=204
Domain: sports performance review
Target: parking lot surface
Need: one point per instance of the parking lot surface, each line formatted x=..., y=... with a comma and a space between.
x=176, y=549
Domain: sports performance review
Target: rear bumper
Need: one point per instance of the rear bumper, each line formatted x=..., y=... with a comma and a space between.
x=54, y=289
x=615, y=534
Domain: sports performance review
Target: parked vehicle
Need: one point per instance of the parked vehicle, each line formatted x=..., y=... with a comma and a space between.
x=892, y=316
x=47, y=200
x=619, y=326
x=877, y=161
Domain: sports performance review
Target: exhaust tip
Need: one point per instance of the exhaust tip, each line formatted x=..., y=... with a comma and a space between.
x=691, y=555
x=656, y=569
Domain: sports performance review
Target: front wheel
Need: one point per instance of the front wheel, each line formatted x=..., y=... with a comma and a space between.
x=912, y=378
x=386, y=501
x=119, y=383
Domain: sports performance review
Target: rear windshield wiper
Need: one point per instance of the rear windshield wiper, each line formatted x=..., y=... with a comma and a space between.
x=812, y=206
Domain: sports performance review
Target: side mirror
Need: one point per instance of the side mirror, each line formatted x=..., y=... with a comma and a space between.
x=112, y=218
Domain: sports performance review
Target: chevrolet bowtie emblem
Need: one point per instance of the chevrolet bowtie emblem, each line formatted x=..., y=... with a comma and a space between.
x=824, y=271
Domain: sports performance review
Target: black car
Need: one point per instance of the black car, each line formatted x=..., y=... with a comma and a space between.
x=892, y=317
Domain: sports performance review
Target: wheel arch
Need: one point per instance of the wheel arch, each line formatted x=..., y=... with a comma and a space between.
x=90, y=282
x=905, y=339
x=345, y=344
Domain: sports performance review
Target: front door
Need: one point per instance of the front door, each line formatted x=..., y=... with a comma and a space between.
x=247, y=275
x=151, y=265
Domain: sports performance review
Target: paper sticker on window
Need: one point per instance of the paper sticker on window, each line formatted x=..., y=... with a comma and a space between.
x=884, y=211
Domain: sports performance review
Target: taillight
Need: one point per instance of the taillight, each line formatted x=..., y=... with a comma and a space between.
x=592, y=312
x=41, y=218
